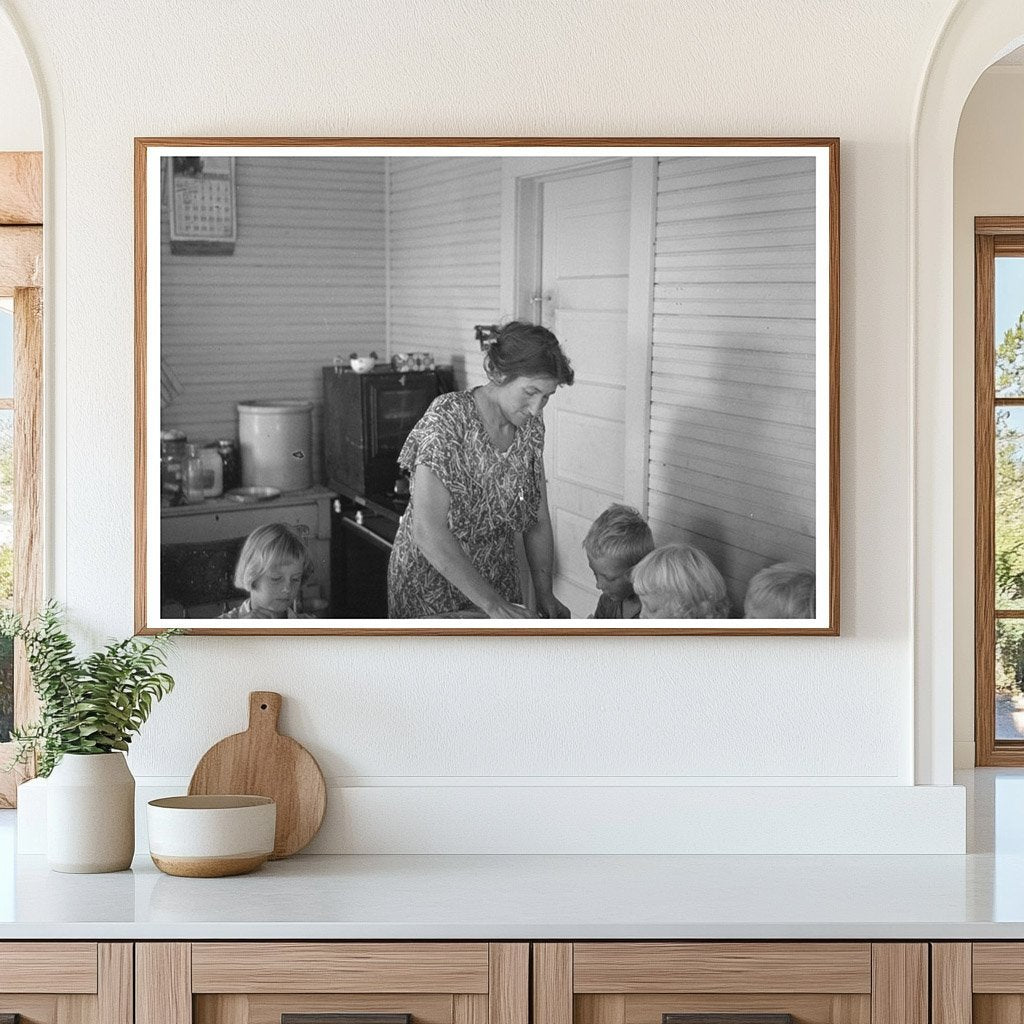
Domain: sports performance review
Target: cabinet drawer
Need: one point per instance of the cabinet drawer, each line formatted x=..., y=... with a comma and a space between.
x=980, y=982
x=339, y=967
x=998, y=967
x=332, y=983
x=66, y=982
x=240, y=522
x=730, y=983
x=65, y=967
x=722, y=967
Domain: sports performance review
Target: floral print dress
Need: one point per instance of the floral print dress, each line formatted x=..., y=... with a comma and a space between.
x=494, y=496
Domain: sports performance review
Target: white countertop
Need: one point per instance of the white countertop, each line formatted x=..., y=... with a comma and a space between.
x=518, y=897
x=976, y=896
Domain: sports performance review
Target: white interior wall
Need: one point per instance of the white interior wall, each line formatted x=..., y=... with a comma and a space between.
x=987, y=182
x=21, y=127
x=450, y=716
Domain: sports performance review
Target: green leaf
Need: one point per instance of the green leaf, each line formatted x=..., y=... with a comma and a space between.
x=89, y=705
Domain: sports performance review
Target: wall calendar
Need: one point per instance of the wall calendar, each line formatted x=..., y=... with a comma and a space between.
x=201, y=205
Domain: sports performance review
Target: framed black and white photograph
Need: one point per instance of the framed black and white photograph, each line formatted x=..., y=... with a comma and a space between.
x=487, y=386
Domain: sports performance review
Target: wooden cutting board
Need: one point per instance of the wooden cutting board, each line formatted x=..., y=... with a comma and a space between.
x=262, y=762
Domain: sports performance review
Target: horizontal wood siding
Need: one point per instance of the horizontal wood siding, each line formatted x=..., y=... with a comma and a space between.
x=732, y=439
x=306, y=282
x=444, y=252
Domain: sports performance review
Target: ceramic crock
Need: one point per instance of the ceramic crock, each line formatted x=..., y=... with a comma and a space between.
x=90, y=814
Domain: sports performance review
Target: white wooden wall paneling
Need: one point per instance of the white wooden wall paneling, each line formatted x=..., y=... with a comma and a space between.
x=305, y=283
x=445, y=252
x=732, y=366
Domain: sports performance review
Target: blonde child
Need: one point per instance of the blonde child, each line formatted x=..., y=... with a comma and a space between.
x=782, y=591
x=617, y=539
x=273, y=565
x=680, y=582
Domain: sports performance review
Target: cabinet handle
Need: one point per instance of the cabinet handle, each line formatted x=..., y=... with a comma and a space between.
x=342, y=1018
x=727, y=1018
x=376, y=540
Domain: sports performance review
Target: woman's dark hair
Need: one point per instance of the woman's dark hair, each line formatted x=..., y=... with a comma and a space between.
x=521, y=349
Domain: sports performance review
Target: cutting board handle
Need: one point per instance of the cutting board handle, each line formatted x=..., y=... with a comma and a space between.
x=264, y=710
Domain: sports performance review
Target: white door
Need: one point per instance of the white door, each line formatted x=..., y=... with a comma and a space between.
x=584, y=278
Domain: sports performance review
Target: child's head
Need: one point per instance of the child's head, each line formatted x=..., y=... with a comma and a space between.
x=272, y=566
x=782, y=591
x=617, y=539
x=680, y=582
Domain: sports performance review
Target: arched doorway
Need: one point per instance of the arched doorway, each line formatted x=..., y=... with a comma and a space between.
x=976, y=34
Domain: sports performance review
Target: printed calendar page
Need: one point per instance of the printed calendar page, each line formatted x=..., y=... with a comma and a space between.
x=202, y=204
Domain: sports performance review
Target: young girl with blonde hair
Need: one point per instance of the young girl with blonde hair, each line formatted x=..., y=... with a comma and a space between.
x=678, y=581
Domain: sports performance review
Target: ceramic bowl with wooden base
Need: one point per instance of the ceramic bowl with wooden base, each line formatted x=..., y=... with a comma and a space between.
x=211, y=836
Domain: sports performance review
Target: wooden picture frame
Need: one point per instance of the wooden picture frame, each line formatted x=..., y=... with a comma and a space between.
x=696, y=292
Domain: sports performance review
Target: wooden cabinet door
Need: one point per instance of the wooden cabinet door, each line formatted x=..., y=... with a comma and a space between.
x=312, y=982
x=730, y=983
x=66, y=982
x=978, y=983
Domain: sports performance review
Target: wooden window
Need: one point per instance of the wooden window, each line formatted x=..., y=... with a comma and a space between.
x=21, y=237
x=999, y=490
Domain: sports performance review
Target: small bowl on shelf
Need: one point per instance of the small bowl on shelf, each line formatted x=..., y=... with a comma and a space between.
x=362, y=364
x=211, y=836
x=246, y=494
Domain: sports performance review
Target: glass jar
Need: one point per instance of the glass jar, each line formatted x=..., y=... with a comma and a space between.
x=173, y=452
x=232, y=463
x=213, y=471
x=192, y=475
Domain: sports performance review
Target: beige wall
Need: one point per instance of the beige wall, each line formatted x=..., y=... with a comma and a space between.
x=988, y=181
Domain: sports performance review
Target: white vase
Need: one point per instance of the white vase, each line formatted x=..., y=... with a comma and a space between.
x=90, y=814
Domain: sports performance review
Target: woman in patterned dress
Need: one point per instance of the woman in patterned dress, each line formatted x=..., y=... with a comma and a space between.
x=477, y=464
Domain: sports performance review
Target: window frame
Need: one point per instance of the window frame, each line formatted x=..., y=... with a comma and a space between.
x=21, y=277
x=993, y=237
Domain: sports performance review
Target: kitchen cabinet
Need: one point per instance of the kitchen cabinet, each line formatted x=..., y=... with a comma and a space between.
x=572, y=983
x=511, y=982
x=261, y=982
x=200, y=527
x=66, y=982
x=978, y=983
x=666, y=982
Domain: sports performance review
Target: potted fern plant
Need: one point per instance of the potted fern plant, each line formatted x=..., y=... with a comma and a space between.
x=90, y=707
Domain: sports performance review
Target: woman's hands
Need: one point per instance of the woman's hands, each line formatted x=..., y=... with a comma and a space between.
x=502, y=609
x=549, y=607
x=435, y=540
